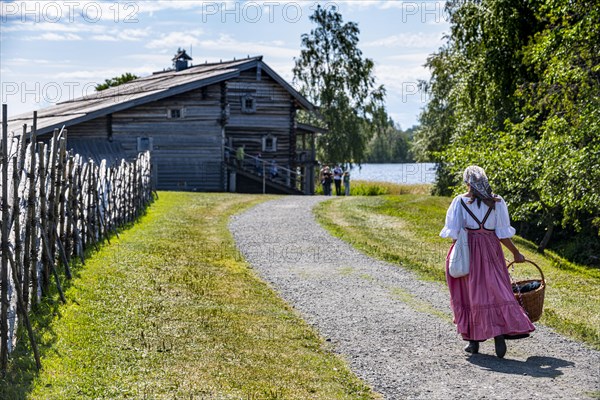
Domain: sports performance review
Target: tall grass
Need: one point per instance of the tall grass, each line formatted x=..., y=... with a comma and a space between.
x=371, y=188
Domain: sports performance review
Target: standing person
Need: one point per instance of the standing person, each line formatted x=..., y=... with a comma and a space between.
x=274, y=170
x=322, y=178
x=337, y=178
x=227, y=155
x=239, y=155
x=346, y=180
x=258, y=164
x=483, y=303
x=326, y=178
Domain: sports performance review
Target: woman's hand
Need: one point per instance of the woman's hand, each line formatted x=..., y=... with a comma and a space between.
x=519, y=258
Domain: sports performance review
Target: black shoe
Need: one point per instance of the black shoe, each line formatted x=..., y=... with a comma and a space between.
x=500, y=345
x=472, y=347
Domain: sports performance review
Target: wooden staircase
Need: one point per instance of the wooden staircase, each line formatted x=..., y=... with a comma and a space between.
x=258, y=183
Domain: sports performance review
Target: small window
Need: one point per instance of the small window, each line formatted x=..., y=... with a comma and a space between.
x=269, y=143
x=144, y=143
x=175, y=113
x=248, y=104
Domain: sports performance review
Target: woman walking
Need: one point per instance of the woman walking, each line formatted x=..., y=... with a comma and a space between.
x=483, y=303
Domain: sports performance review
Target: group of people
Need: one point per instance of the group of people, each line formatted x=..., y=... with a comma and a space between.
x=259, y=164
x=336, y=176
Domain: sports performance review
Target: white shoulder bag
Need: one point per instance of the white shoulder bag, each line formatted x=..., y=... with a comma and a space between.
x=459, y=256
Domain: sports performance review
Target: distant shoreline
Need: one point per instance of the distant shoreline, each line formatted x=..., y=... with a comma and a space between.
x=402, y=173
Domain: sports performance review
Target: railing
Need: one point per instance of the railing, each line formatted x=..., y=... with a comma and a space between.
x=268, y=170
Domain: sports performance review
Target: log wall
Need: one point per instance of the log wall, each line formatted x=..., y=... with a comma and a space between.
x=187, y=152
x=271, y=118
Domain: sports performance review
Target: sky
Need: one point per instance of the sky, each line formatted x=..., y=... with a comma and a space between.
x=53, y=51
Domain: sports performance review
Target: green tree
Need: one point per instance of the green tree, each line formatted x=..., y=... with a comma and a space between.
x=116, y=81
x=390, y=145
x=516, y=89
x=332, y=73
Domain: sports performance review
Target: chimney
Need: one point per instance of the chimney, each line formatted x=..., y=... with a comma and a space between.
x=180, y=61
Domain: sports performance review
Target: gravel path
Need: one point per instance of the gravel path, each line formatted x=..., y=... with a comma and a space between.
x=395, y=331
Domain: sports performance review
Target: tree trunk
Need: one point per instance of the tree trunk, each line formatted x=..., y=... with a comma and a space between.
x=547, y=236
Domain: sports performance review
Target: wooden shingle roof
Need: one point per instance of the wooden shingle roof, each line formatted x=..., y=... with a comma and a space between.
x=144, y=90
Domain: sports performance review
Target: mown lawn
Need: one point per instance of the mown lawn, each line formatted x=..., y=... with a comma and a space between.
x=403, y=229
x=171, y=310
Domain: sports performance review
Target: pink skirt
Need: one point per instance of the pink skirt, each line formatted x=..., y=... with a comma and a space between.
x=483, y=302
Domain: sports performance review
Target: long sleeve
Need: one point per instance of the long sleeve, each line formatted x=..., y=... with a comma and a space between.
x=454, y=220
x=503, y=228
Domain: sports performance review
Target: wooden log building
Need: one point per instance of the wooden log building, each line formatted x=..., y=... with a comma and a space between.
x=193, y=119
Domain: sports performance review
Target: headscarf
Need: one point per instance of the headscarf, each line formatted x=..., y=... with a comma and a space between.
x=481, y=190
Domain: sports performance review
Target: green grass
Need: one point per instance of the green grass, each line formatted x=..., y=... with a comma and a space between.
x=370, y=188
x=171, y=310
x=404, y=230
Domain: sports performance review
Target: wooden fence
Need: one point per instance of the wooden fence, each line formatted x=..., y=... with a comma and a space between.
x=55, y=205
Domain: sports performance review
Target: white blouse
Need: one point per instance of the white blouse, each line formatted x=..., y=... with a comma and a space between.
x=457, y=217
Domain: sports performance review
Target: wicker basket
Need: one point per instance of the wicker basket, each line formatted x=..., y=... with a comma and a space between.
x=533, y=301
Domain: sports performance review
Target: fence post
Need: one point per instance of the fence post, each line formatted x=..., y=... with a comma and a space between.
x=4, y=244
x=43, y=213
x=18, y=174
x=30, y=256
x=52, y=169
x=17, y=223
x=59, y=214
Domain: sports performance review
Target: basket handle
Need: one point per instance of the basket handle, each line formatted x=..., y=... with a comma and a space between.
x=535, y=265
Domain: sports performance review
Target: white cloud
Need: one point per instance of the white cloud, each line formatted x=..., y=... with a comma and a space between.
x=267, y=49
x=283, y=69
x=412, y=58
x=426, y=7
x=148, y=58
x=129, y=35
x=135, y=33
x=76, y=31
x=174, y=40
x=30, y=26
x=225, y=43
x=99, y=75
x=409, y=40
x=105, y=38
x=54, y=37
x=21, y=62
x=151, y=7
x=400, y=78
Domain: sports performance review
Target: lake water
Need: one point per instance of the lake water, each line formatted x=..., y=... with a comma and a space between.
x=410, y=173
